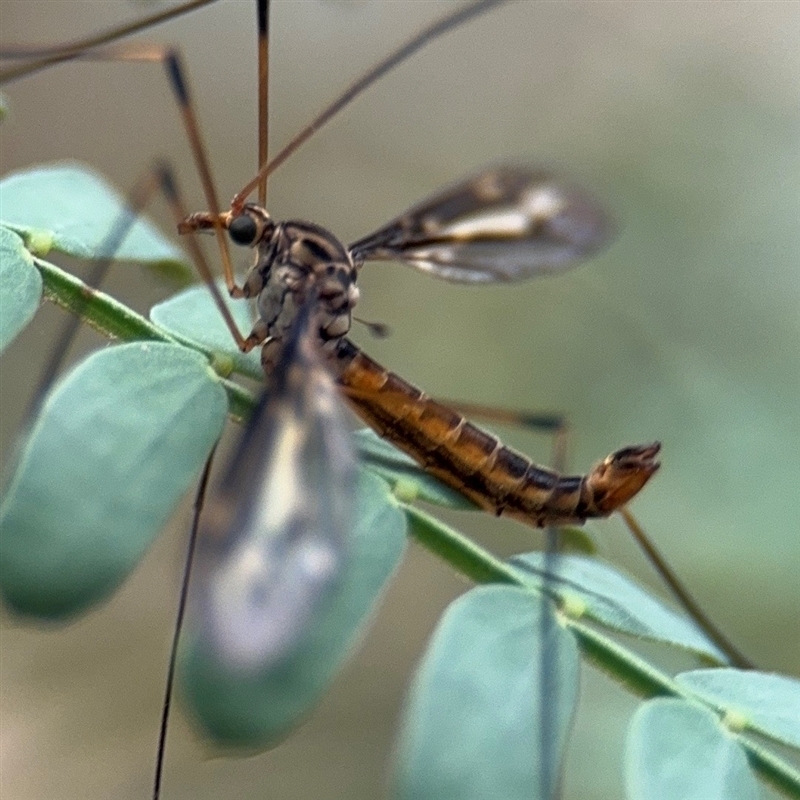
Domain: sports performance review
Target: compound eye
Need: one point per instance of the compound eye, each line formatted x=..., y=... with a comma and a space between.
x=243, y=230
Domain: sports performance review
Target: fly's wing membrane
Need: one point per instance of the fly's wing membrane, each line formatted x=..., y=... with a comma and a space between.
x=274, y=540
x=503, y=224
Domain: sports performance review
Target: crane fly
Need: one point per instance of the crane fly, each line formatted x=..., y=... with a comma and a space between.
x=504, y=223
x=273, y=541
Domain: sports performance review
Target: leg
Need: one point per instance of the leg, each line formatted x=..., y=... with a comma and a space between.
x=158, y=179
x=43, y=57
x=556, y=424
x=176, y=75
x=138, y=198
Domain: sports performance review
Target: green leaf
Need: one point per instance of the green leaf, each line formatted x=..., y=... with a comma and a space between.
x=767, y=703
x=193, y=314
x=473, y=726
x=119, y=441
x=403, y=473
x=606, y=596
x=679, y=750
x=74, y=211
x=576, y=541
x=20, y=286
x=258, y=710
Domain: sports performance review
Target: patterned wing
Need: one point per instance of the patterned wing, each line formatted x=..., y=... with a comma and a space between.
x=502, y=224
x=274, y=541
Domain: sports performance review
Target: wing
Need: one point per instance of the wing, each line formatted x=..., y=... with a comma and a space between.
x=274, y=541
x=502, y=224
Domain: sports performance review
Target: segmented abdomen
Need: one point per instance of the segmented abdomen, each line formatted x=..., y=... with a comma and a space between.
x=477, y=464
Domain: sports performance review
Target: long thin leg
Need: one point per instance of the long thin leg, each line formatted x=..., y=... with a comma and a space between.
x=684, y=597
x=138, y=198
x=549, y=779
x=556, y=425
x=262, y=8
x=447, y=23
x=180, y=616
x=180, y=88
x=549, y=422
x=171, y=60
x=159, y=178
x=48, y=56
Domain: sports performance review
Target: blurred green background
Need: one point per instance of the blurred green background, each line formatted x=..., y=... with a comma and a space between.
x=682, y=117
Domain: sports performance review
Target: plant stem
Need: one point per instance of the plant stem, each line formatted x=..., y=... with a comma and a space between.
x=115, y=320
x=100, y=311
x=625, y=666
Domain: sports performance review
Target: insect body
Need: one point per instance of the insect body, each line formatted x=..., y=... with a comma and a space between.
x=273, y=545
x=475, y=463
x=293, y=435
x=504, y=223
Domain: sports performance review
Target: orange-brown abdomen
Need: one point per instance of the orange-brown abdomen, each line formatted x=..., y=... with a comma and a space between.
x=478, y=465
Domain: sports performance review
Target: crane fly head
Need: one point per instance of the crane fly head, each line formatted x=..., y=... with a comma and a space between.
x=247, y=228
